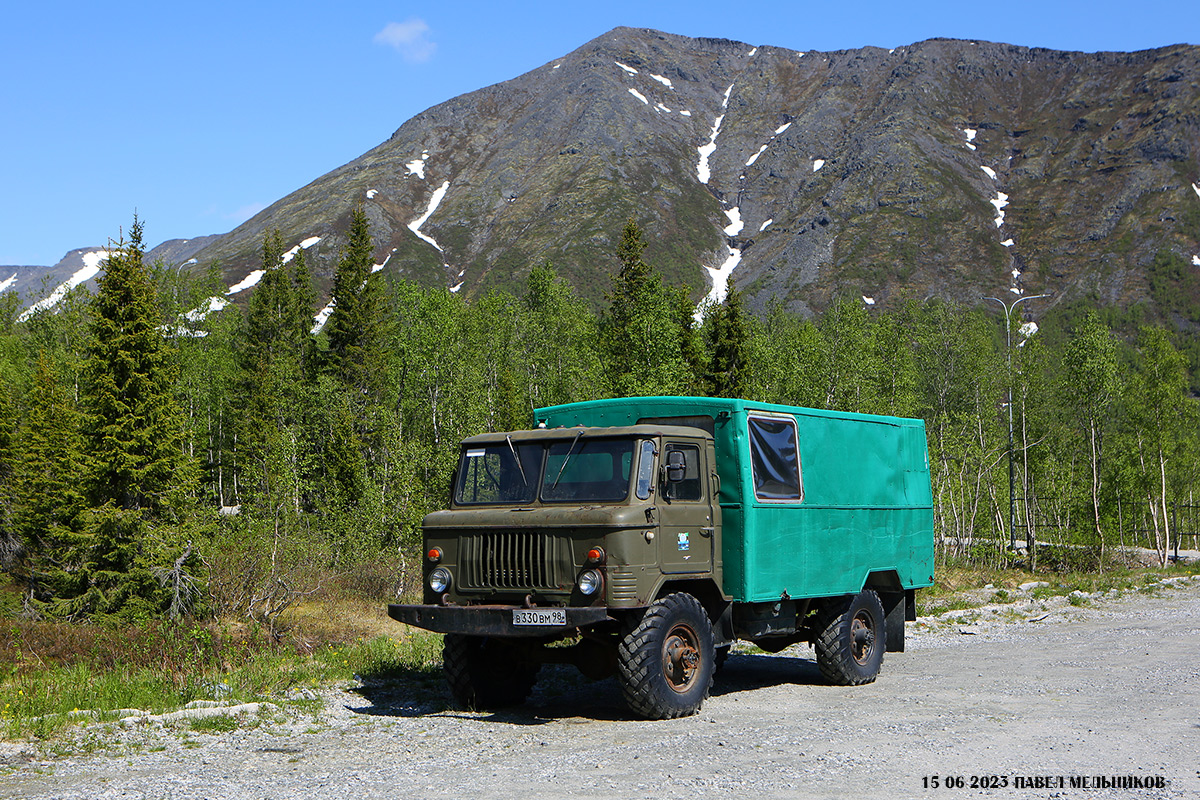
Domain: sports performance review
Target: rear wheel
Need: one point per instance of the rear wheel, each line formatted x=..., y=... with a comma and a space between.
x=666, y=662
x=486, y=673
x=851, y=639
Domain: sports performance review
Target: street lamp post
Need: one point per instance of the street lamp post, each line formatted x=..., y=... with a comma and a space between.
x=1012, y=482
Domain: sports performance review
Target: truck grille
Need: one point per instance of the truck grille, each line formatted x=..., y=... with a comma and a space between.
x=512, y=560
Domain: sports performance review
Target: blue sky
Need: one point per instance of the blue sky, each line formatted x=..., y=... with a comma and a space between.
x=196, y=115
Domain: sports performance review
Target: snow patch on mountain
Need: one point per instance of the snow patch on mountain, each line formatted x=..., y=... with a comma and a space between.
x=735, y=222
x=322, y=317
x=991, y=173
x=639, y=96
x=1196, y=188
x=720, y=283
x=5, y=284
x=626, y=67
x=212, y=304
x=1196, y=261
x=307, y=243
x=702, y=170
x=763, y=149
x=371, y=193
x=970, y=133
x=664, y=81
x=91, y=268
x=247, y=282
x=868, y=300
x=434, y=202
x=818, y=163
x=378, y=267
x=703, y=173
x=1000, y=201
x=1007, y=242
x=763, y=227
x=417, y=166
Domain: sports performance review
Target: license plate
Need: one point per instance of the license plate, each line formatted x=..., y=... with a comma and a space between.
x=539, y=616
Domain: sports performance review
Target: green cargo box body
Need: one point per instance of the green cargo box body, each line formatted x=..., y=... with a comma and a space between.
x=866, y=505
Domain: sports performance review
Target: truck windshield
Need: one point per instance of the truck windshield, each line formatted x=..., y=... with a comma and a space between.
x=580, y=470
x=588, y=470
x=491, y=474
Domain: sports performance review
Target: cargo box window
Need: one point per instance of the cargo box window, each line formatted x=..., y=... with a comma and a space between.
x=775, y=459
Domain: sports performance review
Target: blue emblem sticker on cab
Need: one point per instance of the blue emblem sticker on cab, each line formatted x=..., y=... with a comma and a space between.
x=683, y=541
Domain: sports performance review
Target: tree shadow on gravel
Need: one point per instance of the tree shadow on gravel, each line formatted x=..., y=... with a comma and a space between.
x=562, y=694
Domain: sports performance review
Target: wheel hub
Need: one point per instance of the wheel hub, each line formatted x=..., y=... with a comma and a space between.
x=862, y=635
x=681, y=658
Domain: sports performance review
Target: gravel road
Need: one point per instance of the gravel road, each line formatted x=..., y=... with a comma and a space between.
x=1010, y=694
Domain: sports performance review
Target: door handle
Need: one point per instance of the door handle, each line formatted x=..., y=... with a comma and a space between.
x=708, y=532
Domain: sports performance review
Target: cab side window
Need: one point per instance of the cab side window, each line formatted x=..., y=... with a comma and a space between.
x=691, y=487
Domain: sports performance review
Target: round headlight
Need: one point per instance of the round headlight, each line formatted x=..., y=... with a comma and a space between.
x=590, y=581
x=439, y=580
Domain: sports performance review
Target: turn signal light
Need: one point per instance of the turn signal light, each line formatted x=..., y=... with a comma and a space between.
x=596, y=555
x=434, y=555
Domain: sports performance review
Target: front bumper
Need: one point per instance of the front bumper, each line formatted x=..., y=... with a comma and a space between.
x=489, y=620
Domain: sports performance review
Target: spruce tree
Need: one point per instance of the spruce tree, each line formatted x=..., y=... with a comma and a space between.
x=134, y=436
x=50, y=498
x=138, y=482
x=728, y=338
x=357, y=326
x=650, y=346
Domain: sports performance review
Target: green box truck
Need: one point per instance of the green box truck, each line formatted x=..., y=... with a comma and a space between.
x=642, y=536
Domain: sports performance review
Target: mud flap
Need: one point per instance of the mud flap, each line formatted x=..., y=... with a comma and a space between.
x=895, y=612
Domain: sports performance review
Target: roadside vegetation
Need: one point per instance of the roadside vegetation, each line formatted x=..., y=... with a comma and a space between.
x=218, y=506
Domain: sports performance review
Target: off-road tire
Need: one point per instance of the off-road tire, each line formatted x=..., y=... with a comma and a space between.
x=851, y=639
x=486, y=673
x=666, y=663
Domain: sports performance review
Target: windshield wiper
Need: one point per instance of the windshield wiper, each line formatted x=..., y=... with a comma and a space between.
x=516, y=458
x=566, y=458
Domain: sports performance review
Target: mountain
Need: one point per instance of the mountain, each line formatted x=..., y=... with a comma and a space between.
x=946, y=168
x=45, y=286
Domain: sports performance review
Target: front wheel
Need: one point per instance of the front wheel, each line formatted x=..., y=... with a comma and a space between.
x=666, y=662
x=850, y=639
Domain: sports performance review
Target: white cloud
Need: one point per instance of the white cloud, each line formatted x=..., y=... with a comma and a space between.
x=409, y=39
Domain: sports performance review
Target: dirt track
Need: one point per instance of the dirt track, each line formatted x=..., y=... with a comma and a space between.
x=1109, y=689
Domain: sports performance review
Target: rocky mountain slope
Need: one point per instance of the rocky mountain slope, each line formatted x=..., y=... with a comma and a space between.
x=947, y=168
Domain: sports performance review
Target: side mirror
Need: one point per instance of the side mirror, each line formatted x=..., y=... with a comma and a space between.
x=676, y=467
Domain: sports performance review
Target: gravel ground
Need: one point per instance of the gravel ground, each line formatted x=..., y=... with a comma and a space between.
x=1008, y=693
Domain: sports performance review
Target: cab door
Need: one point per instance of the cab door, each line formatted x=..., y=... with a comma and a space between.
x=686, y=530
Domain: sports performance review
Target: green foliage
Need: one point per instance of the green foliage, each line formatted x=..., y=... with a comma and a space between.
x=728, y=335
x=133, y=431
x=357, y=326
x=126, y=422
x=648, y=329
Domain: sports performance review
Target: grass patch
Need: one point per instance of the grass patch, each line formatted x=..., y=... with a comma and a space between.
x=961, y=587
x=221, y=723
x=55, y=675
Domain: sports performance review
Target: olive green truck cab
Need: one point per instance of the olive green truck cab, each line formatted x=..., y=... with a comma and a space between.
x=643, y=536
